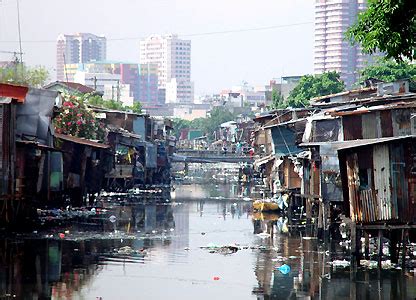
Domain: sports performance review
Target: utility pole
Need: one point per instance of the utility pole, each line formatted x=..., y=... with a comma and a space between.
x=20, y=35
x=118, y=90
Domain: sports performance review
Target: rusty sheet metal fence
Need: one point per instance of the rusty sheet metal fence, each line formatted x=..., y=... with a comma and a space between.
x=380, y=182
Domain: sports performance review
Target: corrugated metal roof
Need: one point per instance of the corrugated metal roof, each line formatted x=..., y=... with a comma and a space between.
x=365, y=142
x=355, y=143
x=13, y=91
x=81, y=141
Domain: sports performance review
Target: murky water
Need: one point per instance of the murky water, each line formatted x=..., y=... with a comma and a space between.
x=153, y=251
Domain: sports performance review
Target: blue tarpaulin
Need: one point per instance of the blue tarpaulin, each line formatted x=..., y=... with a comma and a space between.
x=284, y=141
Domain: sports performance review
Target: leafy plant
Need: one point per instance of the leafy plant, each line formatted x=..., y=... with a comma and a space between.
x=388, y=26
x=311, y=86
x=76, y=119
x=389, y=70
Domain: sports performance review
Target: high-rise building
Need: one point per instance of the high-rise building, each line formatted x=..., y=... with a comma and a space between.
x=78, y=48
x=332, y=51
x=173, y=59
x=148, y=83
x=129, y=72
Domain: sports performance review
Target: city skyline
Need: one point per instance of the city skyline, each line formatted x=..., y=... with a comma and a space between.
x=219, y=59
x=332, y=51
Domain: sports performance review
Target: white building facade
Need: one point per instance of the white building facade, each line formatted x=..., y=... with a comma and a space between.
x=332, y=51
x=173, y=58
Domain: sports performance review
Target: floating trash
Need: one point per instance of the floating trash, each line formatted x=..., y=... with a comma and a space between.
x=284, y=269
x=112, y=218
x=340, y=263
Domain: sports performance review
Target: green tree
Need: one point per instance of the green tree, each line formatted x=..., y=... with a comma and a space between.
x=388, y=26
x=179, y=124
x=278, y=100
x=311, y=86
x=136, y=108
x=208, y=125
x=389, y=70
x=17, y=73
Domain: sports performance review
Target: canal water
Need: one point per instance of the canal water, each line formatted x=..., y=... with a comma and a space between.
x=203, y=243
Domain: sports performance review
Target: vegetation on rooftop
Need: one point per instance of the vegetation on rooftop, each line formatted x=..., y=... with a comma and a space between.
x=76, y=119
x=389, y=70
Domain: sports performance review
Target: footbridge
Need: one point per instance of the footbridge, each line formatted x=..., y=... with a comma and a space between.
x=208, y=156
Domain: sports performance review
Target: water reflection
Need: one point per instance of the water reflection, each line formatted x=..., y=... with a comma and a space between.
x=152, y=251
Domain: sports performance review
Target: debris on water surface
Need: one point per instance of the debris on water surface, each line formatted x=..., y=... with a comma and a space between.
x=127, y=250
x=372, y=264
x=112, y=218
x=228, y=249
x=263, y=235
x=284, y=269
x=340, y=263
x=216, y=278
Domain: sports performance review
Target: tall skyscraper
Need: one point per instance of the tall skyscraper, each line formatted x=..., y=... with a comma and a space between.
x=78, y=48
x=148, y=83
x=332, y=51
x=173, y=59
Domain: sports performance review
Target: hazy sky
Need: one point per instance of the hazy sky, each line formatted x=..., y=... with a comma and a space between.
x=218, y=60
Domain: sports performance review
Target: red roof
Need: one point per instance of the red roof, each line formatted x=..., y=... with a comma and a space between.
x=13, y=91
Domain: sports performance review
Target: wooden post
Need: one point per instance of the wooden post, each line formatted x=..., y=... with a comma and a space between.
x=380, y=247
x=353, y=247
x=404, y=246
x=394, y=251
x=367, y=245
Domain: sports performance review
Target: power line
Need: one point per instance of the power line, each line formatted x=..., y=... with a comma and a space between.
x=187, y=35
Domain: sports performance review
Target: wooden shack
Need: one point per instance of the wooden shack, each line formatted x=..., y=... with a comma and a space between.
x=379, y=179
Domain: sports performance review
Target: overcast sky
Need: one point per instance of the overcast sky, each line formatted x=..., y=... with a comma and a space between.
x=218, y=60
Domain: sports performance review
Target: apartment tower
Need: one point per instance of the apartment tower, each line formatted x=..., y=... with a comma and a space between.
x=332, y=51
x=78, y=48
x=172, y=56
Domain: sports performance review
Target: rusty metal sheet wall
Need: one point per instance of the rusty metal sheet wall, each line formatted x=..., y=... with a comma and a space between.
x=369, y=204
x=385, y=123
x=352, y=127
x=413, y=121
x=399, y=191
x=353, y=186
x=410, y=157
x=382, y=181
x=401, y=122
x=331, y=179
x=369, y=126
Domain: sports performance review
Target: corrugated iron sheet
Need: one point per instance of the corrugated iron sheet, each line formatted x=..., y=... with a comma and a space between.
x=401, y=122
x=385, y=123
x=353, y=187
x=382, y=180
x=331, y=179
x=352, y=127
x=399, y=191
x=369, y=126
